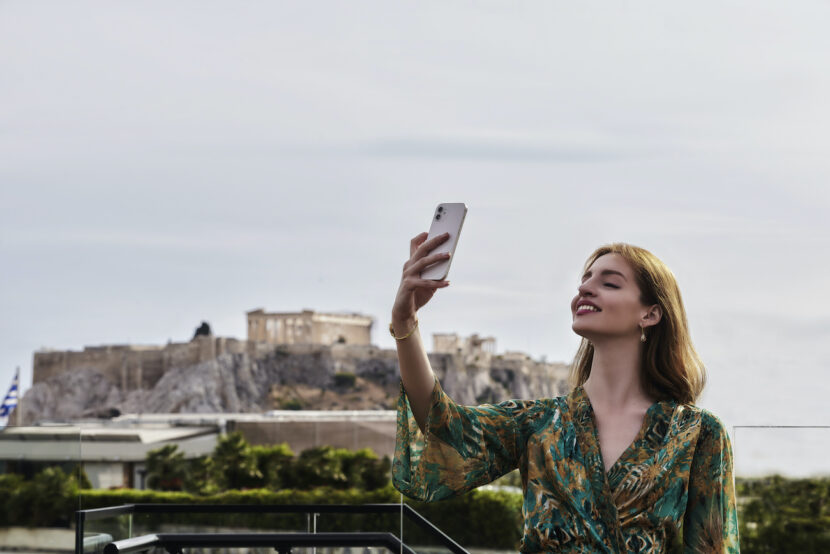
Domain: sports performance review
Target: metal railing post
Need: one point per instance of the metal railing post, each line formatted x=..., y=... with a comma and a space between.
x=80, y=518
x=314, y=548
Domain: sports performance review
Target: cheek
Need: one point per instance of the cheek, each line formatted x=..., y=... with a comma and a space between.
x=630, y=309
x=624, y=307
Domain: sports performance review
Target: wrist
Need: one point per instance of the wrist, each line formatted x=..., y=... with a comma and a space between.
x=403, y=322
x=403, y=328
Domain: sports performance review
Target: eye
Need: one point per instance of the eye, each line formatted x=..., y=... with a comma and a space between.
x=612, y=285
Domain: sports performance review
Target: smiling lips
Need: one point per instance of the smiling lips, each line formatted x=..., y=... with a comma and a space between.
x=586, y=309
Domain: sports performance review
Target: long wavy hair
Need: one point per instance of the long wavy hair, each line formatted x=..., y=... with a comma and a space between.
x=671, y=367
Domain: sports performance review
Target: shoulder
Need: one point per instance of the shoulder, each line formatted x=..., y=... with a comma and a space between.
x=712, y=431
x=711, y=424
x=701, y=417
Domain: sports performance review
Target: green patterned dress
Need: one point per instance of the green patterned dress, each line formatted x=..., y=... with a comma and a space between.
x=676, y=474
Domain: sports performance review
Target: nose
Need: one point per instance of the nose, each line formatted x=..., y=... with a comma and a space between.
x=586, y=289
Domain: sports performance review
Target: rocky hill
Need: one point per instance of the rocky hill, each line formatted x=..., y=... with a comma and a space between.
x=288, y=377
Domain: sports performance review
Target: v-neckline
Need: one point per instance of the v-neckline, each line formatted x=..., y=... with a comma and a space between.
x=644, y=426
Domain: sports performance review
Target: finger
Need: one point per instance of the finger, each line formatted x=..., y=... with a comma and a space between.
x=415, y=265
x=416, y=242
x=429, y=283
x=418, y=266
x=414, y=283
x=429, y=245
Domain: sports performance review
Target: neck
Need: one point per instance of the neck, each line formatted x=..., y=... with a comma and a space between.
x=614, y=383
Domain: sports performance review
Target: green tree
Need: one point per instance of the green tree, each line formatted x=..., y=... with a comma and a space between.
x=166, y=468
x=199, y=476
x=274, y=463
x=321, y=466
x=81, y=477
x=10, y=486
x=364, y=470
x=235, y=464
x=48, y=500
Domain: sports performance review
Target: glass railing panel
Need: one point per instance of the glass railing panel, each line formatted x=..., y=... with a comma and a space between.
x=40, y=479
x=101, y=531
x=123, y=455
x=421, y=540
x=357, y=522
x=107, y=462
x=368, y=477
x=223, y=520
x=460, y=519
x=782, y=478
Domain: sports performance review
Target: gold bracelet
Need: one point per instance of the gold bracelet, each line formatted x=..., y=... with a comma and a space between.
x=392, y=331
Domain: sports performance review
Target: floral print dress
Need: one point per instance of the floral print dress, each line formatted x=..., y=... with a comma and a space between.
x=672, y=490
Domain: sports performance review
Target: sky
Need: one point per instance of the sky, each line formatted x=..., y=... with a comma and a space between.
x=165, y=163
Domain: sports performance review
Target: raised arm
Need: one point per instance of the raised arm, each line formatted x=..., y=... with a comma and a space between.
x=416, y=372
x=443, y=449
x=710, y=524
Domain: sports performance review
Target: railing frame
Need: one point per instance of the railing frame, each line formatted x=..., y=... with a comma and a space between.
x=312, y=510
x=175, y=543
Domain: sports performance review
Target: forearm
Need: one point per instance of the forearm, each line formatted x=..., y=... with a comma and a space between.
x=416, y=372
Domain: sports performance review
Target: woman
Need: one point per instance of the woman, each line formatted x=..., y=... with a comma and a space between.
x=625, y=462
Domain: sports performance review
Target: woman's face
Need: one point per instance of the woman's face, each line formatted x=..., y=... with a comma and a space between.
x=610, y=287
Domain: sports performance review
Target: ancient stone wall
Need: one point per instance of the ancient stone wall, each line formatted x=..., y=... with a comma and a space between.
x=132, y=367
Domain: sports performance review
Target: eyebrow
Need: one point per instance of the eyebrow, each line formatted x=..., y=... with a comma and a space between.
x=605, y=272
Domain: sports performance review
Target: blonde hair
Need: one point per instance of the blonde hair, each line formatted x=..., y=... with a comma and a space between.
x=671, y=366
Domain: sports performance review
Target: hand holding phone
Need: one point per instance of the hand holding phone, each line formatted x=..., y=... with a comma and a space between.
x=428, y=264
x=448, y=218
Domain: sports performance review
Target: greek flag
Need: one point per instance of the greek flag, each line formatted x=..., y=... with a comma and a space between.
x=10, y=402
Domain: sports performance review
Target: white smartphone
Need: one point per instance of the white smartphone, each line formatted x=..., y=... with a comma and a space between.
x=448, y=218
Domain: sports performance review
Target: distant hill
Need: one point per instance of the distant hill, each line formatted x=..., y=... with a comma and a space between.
x=336, y=377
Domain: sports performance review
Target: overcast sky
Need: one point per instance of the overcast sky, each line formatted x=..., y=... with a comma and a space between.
x=164, y=163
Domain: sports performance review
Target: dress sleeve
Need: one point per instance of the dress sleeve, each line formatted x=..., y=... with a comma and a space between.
x=463, y=447
x=710, y=523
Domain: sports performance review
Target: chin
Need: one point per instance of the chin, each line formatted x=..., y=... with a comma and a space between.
x=581, y=332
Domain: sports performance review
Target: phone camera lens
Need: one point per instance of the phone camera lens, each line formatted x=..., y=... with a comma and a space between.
x=440, y=209
x=438, y=216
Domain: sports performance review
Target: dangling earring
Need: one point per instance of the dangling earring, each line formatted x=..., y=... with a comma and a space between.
x=642, y=334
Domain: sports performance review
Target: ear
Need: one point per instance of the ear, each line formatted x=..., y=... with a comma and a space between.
x=652, y=316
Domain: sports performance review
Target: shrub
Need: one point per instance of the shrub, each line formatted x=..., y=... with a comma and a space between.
x=344, y=380
x=784, y=515
x=47, y=500
x=10, y=486
x=291, y=404
x=364, y=470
